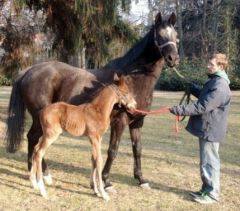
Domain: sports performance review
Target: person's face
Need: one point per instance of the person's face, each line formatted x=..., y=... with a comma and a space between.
x=212, y=66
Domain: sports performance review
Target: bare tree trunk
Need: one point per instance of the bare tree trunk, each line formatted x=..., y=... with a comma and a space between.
x=180, y=29
x=83, y=58
x=215, y=25
x=228, y=31
x=203, y=31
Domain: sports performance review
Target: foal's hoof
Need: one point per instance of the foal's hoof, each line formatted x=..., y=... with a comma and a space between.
x=34, y=184
x=42, y=189
x=110, y=189
x=48, y=179
x=145, y=186
x=98, y=194
x=106, y=197
x=44, y=194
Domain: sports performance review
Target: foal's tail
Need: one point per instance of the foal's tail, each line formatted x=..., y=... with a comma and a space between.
x=16, y=116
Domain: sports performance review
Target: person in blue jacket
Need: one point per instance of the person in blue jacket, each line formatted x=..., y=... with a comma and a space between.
x=208, y=121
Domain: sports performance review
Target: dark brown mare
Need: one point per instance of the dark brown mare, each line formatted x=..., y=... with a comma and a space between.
x=49, y=82
x=88, y=119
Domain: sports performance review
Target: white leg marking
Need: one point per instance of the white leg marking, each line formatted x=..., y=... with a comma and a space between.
x=145, y=186
x=42, y=188
x=34, y=183
x=48, y=179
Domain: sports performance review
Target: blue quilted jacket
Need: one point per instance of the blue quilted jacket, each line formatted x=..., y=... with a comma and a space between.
x=208, y=116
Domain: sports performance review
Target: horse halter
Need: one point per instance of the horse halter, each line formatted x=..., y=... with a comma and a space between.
x=120, y=94
x=160, y=47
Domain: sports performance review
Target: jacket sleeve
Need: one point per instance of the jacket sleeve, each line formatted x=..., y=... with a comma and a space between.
x=210, y=101
x=194, y=89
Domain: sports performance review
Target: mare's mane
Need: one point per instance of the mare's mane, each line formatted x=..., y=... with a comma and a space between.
x=132, y=55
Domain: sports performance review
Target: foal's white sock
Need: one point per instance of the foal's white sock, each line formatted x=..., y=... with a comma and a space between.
x=42, y=188
x=34, y=183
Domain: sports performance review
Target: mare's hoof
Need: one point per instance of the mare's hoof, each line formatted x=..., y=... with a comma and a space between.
x=48, y=179
x=145, y=186
x=110, y=189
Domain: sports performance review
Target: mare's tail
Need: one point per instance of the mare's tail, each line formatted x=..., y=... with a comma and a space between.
x=16, y=116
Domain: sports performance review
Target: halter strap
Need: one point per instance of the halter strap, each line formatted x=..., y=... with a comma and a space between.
x=114, y=87
x=164, y=44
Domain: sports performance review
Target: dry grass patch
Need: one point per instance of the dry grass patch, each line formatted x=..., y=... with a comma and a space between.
x=169, y=162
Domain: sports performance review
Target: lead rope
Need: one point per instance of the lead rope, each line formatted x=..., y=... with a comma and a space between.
x=160, y=111
x=186, y=96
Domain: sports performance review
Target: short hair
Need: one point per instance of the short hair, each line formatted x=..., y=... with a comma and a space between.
x=221, y=59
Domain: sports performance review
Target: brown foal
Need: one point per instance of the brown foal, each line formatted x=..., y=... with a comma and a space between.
x=90, y=119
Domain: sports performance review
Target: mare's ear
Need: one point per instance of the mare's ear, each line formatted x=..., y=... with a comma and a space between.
x=158, y=19
x=172, y=19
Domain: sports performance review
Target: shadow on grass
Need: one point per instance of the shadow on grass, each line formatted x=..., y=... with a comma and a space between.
x=13, y=184
x=75, y=191
x=119, y=179
x=14, y=187
x=184, y=194
x=22, y=187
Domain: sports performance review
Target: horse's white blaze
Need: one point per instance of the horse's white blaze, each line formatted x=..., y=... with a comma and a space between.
x=169, y=31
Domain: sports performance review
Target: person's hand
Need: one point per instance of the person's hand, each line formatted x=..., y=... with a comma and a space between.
x=173, y=110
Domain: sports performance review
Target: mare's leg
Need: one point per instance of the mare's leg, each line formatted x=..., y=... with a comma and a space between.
x=117, y=128
x=135, y=132
x=33, y=136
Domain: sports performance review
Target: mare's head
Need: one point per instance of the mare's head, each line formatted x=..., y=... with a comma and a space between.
x=125, y=97
x=165, y=39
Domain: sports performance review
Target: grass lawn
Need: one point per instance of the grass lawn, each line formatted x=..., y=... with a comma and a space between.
x=169, y=162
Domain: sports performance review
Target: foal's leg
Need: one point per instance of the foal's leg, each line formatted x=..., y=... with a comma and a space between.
x=99, y=170
x=33, y=171
x=33, y=136
x=41, y=149
x=117, y=129
x=93, y=176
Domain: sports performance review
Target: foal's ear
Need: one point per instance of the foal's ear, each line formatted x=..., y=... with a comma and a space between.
x=172, y=19
x=158, y=19
x=116, y=78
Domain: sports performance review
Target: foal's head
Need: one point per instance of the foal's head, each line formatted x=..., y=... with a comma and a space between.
x=125, y=97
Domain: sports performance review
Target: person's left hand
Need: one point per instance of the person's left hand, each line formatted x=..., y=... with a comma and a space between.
x=173, y=110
